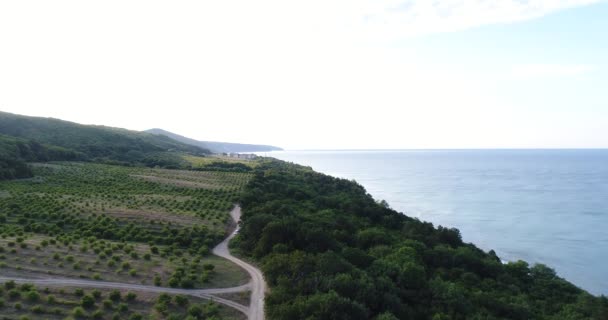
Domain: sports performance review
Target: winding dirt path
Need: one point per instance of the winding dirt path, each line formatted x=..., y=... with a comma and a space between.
x=257, y=285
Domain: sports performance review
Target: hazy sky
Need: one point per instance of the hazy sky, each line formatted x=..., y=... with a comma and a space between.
x=317, y=74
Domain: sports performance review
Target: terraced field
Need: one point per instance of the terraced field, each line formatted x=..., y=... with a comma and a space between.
x=25, y=301
x=120, y=224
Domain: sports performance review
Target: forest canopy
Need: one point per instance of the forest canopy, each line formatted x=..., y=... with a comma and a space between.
x=329, y=251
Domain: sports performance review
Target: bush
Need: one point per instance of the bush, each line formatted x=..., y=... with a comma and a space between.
x=32, y=296
x=14, y=294
x=107, y=303
x=115, y=295
x=26, y=287
x=98, y=314
x=157, y=280
x=131, y=296
x=180, y=300
x=87, y=301
x=136, y=316
x=79, y=312
x=37, y=309
x=123, y=307
x=195, y=311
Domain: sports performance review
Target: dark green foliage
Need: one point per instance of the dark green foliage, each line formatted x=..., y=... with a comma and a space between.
x=224, y=166
x=329, y=251
x=87, y=301
x=13, y=169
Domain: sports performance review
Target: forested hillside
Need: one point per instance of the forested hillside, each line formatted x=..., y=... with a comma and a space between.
x=217, y=147
x=15, y=152
x=329, y=251
x=63, y=140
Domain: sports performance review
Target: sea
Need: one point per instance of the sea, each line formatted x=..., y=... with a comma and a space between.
x=541, y=206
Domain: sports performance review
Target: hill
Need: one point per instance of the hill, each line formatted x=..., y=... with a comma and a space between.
x=41, y=139
x=329, y=251
x=216, y=147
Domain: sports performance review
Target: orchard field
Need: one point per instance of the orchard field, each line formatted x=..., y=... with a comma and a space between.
x=120, y=224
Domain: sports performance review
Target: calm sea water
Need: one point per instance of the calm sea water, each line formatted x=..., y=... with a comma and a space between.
x=547, y=206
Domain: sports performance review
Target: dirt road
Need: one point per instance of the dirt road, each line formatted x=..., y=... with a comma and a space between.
x=257, y=283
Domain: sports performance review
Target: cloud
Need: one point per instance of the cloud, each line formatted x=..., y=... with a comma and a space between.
x=549, y=70
x=420, y=17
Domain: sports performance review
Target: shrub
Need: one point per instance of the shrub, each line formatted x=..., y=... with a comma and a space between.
x=87, y=301
x=195, y=311
x=26, y=287
x=107, y=303
x=136, y=316
x=114, y=295
x=14, y=294
x=37, y=309
x=180, y=300
x=79, y=312
x=98, y=314
x=32, y=296
x=131, y=296
x=123, y=307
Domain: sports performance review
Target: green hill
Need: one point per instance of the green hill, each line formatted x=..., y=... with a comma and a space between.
x=43, y=139
x=329, y=251
x=216, y=147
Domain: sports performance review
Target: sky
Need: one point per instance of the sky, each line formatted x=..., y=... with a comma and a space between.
x=331, y=74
